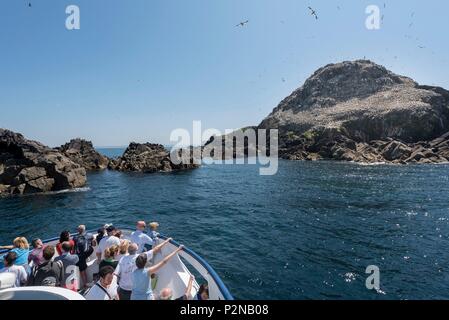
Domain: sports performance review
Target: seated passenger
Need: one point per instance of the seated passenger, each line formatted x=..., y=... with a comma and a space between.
x=103, y=288
x=141, y=276
x=140, y=238
x=167, y=293
x=19, y=271
x=109, y=257
x=84, y=243
x=63, y=237
x=49, y=273
x=126, y=267
x=36, y=255
x=69, y=262
x=21, y=248
x=203, y=292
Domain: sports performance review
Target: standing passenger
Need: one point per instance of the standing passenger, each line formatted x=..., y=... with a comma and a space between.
x=18, y=271
x=63, y=237
x=153, y=230
x=84, y=243
x=69, y=262
x=109, y=257
x=106, y=242
x=123, y=249
x=49, y=273
x=36, y=255
x=104, y=289
x=22, y=249
x=140, y=238
x=127, y=265
x=142, y=275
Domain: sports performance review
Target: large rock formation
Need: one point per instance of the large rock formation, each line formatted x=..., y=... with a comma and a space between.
x=82, y=152
x=149, y=158
x=359, y=111
x=29, y=167
x=233, y=145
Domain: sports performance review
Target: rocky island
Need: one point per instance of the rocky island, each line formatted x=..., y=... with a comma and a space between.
x=83, y=153
x=352, y=111
x=28, y=166
x=148, y=158
x=360, y=111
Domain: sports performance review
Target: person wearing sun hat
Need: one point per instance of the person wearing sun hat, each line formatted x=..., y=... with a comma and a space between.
x=140, y=238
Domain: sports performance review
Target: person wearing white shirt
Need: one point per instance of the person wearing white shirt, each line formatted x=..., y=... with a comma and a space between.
x=104, y=289
x=123, y=249
x=140, y=238
x=18, y=271
x=107, y=242
x=127, y=265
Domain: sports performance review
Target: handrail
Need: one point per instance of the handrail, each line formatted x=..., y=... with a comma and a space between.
x=221, y=286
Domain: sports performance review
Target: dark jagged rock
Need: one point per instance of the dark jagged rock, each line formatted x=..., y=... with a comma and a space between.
x=149, y=158
x=223, y=147
x=359, y=111
x=30, y=167
x=82, y=152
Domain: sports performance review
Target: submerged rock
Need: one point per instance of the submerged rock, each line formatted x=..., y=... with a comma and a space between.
x=28, y=166
x=82, y=152
x=149, y=158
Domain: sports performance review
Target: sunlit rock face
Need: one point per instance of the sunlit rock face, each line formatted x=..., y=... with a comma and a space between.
x=28, y=166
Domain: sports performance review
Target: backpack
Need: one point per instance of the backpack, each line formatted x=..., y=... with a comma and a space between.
x=81, y=245
x=50, y=274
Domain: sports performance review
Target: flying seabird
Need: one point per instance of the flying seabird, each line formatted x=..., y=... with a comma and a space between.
x=313, y=13
x=241, y=24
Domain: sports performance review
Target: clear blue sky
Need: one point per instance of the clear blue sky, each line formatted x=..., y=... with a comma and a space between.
x=138, y=69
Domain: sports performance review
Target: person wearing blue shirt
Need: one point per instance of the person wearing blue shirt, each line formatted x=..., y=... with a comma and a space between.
x=22, y=249
x=142, y=276
x=140, y=238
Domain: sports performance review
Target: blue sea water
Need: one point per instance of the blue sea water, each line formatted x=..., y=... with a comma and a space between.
x=308, y=232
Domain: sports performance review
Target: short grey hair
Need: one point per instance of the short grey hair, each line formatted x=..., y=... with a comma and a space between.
x=166, y=294
x=132, y=249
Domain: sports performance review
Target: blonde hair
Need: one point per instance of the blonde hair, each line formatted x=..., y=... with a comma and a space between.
x=124, y=246
x=21, y=242
x=154, y=225
x=111, y=252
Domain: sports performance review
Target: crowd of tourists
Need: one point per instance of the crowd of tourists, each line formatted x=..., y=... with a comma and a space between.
x=127, y=269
